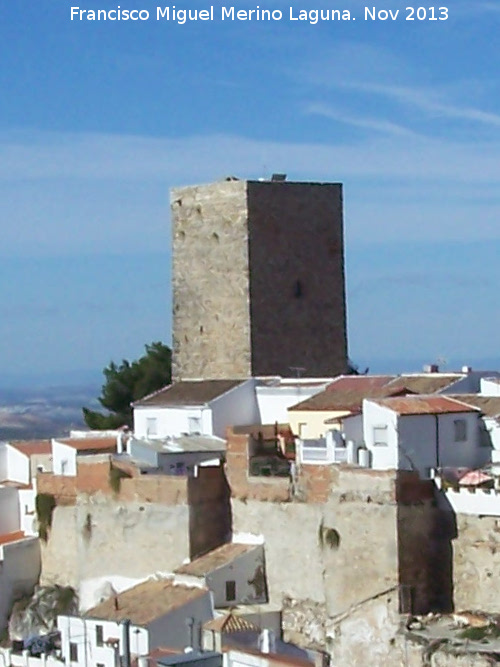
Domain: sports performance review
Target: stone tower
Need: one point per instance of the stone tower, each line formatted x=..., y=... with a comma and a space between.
x=258, y=280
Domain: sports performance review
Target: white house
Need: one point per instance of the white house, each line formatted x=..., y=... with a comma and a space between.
x=275, y=395
x=489, y=425
x=177, y=455
x=153, y=613
x=20, y=565
x=203, y=407
x=490, y=386
x=421, y=433
x=234, y=573
x=19, y=460
x=66, y=451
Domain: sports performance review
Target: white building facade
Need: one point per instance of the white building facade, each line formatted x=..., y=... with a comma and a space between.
x=422, y=433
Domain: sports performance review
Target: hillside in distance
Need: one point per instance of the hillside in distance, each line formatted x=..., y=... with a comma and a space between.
x=43, y=412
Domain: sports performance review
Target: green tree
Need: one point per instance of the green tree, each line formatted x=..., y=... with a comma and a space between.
x=129, y=382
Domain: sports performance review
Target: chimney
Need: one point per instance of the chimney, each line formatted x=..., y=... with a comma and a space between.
x=431, y=368
x=466, y=369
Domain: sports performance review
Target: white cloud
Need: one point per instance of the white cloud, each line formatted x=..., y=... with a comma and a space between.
x=88, y=192
x=427, y=101
x=383, y=126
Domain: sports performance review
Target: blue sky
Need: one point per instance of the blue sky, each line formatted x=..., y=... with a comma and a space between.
x=99, y=119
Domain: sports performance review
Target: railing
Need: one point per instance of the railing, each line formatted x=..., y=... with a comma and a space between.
x=321, y=451
x=314, y=454
x=340, y=455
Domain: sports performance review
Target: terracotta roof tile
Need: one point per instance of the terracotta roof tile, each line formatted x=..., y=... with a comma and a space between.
x=489, y=405
x=31, y=447
x=424, y=405
x=211, y=561
x=6, y=538
x=230, y=623
x=346, y=393
x=145, y=602
x=188, y=392
x=426, y=383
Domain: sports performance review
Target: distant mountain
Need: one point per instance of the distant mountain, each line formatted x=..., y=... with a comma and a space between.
x=43, y=412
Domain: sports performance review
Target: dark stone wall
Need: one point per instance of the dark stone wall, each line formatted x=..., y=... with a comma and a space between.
x=258, y=279
x=297, y=292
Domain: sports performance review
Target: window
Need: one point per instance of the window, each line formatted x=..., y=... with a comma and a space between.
x=380, y=436
x=99, y=636
x=151, y=426
x=460, y=427
x=73, y=652
x=194, y=425
x=230, y=591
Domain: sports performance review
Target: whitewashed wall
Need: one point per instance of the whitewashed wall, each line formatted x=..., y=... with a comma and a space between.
x=467, y=454
x=64, y=459
x=273, y=402
x=3, y=461
x=382, y=457
x=352, y=427
x=10, y=519
x=237, y=407
x=172, y=630
x=490, y=387
x=27, y=510
x=14, y=465
x=83, y=633
x=170, y=421
x=20, y=564
x=242, y=571
x=476, y=502
x=421, y=442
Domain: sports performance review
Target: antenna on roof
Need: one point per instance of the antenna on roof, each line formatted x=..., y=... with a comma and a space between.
x=298, y=370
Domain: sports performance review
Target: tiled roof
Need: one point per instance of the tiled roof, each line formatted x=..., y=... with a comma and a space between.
x=6, y=538
x=32, y=447
x=230, y=622
x=424, y=405
x=93, y=444
x=346, y=393
x=15, y=485
x=425, y=383
x=211, y=561
x=188, y=392
x=489, y=405
x=146, y=602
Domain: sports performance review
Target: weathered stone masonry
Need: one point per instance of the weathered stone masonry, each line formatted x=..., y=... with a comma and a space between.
x=258, y=279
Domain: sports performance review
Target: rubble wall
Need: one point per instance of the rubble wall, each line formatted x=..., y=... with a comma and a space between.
x=99, y=536
x=476, y=563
